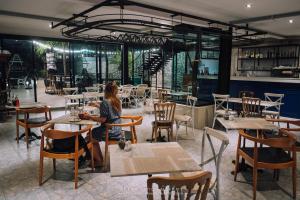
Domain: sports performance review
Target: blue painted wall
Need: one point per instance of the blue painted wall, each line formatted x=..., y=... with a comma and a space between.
x=291, y=100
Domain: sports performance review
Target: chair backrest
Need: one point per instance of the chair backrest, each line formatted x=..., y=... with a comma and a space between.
x=39, y=110
x=135, y=121
x=48, y=131
x=162, y=94
x=276, y=98
x=284, y=140
x=88, y=96
x=214, y=137
x=180, y=187
x=142, y=85
x=246, y=94
x=92, y=89
x=164, y=111
x=221, y=101
x=126, y=91
x=251, y=107
x=191, y=102
x=140, y=91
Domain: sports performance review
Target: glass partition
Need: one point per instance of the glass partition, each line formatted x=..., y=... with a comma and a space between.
x=21, y=74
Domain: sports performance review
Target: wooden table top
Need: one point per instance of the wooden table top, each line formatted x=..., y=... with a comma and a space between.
x=150, y=158
x=247, y=123
x=262, y=103
x=85, y=95
x=26, y=105
x=67, y=119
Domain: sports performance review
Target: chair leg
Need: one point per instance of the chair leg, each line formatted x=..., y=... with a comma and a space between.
x=237, y=162
x=155, y=134
x=92, y=157
x=76, y=172
x=213, y=125
x=27, y=137
x=294, y=175
x=176, y=133
x=193, y=124
x=17, y=133
x=152, y=133
x=105, y=156
x=171, y=133
x=254, y=181
x=54, y=164
x=41, y=169
x=186, y=132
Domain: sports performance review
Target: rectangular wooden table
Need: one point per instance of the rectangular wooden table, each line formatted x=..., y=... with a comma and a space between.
x=262, y=103
x=247, y=123
x=150, y=158
x=65, y=119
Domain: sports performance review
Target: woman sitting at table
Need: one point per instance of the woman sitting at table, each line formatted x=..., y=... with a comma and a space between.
x=110, y=111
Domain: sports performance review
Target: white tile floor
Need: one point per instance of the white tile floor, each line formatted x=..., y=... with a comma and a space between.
x=19, y=172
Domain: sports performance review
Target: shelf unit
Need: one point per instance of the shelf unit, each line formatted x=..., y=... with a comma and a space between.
x=265, y=58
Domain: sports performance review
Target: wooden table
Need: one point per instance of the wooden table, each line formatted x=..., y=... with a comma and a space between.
x=262, y=103
x=28, y=105
x=65, y=119
x=150, y=158
x=247, y=123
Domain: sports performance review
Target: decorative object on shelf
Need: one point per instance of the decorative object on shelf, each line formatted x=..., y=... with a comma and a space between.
x=266, y=58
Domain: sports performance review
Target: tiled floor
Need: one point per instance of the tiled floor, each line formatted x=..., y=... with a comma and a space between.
x=19, y=172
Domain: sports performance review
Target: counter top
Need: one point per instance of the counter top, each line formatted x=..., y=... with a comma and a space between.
x=207, y=77
x=266, y=79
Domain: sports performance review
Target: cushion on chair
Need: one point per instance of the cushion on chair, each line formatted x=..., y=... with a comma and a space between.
x=268, y=154
x=58, y=151
x=182, y=118
x=162, y=123
x=36, y=120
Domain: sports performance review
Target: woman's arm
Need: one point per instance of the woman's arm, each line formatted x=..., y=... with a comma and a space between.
x=94, y=118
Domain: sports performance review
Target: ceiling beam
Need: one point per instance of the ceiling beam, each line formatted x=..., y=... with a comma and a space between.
x=266, y=17
x=30, y=16
x=81, y=14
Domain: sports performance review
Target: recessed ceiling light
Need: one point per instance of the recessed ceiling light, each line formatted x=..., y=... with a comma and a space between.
x=248, y=5
x=50, y=25
x=291, y=21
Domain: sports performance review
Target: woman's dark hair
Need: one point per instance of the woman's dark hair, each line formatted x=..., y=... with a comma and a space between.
x=110, y=93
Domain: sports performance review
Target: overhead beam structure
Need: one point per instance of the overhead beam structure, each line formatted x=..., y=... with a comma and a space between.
x=266, y=17
x=172, y=13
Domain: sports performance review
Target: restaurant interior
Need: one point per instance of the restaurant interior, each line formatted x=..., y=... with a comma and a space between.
x=127, y=99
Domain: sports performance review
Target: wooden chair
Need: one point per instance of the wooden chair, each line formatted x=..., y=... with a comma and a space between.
x=246, y=94
x=293, y=126
x=164, y=119
x=181, y=187
x=273, y=111
x=251, y=107
x=126, y=96
x=218, y=141
x=48, y=132
x=187, y=116
x=221, y=106
x=28, y=122
x=271, y=156
x=162, y=95
x=129, y=135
